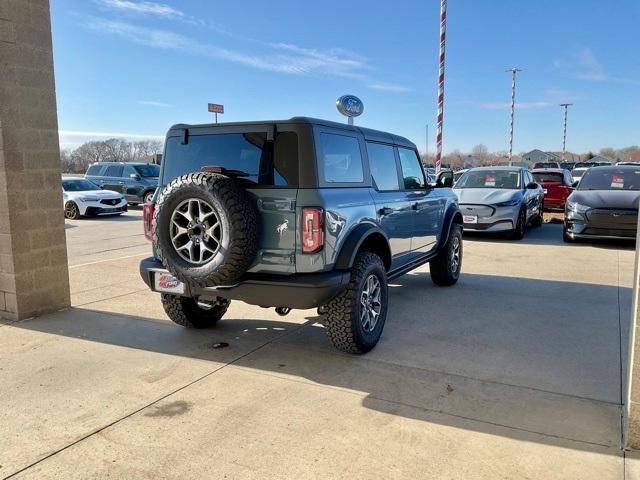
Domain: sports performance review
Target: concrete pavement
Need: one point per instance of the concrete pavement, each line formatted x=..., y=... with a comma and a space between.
x=513, y=373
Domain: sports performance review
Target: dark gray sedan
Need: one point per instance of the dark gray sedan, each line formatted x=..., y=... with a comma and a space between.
x=604, y=204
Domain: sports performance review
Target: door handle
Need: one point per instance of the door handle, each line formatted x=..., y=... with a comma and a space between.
x=385, y=211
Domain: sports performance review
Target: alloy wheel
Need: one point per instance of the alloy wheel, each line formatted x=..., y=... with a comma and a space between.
x=455, y=254
x=196, y=231
x=370, y=303
x=71, y=210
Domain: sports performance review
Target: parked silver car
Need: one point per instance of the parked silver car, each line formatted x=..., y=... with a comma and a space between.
x=499, y=199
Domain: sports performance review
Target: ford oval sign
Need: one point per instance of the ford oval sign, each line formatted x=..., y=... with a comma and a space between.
x=350, y=106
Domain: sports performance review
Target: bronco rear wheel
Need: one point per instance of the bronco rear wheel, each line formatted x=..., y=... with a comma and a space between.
x=356, y=317
x=206, y=229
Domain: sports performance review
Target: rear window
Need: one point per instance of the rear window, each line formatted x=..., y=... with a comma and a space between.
x=249, y=153
x=548, y=177
x=341, y=161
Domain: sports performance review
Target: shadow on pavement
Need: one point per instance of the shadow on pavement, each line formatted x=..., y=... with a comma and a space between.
x=529, y=369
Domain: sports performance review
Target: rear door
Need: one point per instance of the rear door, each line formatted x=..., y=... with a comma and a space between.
x=393, y=205
x=112, y=179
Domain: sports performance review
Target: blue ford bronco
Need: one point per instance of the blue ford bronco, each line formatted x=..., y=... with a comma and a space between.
x=296, y=214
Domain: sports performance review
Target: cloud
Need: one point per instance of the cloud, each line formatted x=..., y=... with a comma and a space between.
x=584, y=65
x=145, y=8
x=151, y=103
x=278, y=57
x=388, y=87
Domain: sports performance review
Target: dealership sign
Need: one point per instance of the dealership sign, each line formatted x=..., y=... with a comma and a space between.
x=216, y=108
x=350, y=106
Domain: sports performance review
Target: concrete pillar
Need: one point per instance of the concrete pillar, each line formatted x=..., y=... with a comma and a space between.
x=34, y=278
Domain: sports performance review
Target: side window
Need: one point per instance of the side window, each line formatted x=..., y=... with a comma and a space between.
x=128, y=171
x=411, y=169
x=285, y=159
x=94, y=169
x=113, y=171
x=382, y=163
x=341, y=161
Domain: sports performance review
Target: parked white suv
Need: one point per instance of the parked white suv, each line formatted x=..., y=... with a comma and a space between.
x=81, y=197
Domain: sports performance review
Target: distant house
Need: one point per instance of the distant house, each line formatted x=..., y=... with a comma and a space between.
x=539, y=156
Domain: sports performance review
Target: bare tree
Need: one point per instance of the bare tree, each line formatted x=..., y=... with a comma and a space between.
x=146, y=150
x=480, y=154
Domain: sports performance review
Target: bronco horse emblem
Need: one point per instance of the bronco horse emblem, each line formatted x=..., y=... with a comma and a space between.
x=283, y=227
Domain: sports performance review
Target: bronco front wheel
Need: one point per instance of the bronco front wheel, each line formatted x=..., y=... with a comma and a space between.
x=356, y=317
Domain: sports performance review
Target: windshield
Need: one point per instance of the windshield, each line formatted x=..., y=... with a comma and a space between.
x=506, y=179
x=147, y=170
x=80, y=185
x=548, y=177
x=611, y=179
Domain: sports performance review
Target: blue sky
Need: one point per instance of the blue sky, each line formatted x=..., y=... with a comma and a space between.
x=134, y=68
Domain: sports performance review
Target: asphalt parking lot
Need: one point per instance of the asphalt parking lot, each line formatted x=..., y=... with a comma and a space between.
x=513, y=373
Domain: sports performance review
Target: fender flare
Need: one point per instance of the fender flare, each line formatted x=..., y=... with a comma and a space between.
x=354, y=241
x=451, y=216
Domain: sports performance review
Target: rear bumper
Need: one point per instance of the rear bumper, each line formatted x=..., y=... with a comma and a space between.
x=300, y=291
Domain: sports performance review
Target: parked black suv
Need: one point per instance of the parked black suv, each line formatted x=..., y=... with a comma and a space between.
x=300, y=213
x=136, y=181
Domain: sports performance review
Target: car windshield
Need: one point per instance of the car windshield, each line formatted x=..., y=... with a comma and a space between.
x=147, y=170
x=80, y=185
x=507, y=179
x=548, y=177
x=611, y=179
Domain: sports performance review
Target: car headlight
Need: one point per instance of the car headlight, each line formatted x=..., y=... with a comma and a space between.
x=576, y=207
x=509, y=203
x=89, y=199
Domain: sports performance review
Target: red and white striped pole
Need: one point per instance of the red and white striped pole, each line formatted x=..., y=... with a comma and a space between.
x=443, y=25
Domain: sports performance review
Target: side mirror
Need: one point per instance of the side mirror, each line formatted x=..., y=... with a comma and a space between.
x=575, y=184
x=444, y=180
x=135, y=176
x=532, y=186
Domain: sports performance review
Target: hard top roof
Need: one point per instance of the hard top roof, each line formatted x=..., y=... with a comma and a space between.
x=368, y=133
x=548, y=170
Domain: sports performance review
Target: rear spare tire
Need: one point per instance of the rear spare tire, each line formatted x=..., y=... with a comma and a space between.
x=205, y=229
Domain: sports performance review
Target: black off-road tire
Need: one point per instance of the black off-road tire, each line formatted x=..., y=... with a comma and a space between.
x=238, y=217
x=566, y=237
x=539, y=220
x=445, y=267
x=71, y=211
x=186, y=312
x=343, y=312
x=521, y=226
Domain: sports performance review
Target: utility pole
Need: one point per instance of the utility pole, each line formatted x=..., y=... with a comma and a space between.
x=564, y=131
x=513, y=71
x=443, y=24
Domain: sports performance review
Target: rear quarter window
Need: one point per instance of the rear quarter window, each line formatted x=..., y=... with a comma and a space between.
x=95, y=169
x=340, y=160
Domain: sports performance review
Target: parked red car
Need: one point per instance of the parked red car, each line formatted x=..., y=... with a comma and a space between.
x=556, y=183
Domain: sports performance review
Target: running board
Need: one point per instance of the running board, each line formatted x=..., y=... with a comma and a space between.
x=411, y=266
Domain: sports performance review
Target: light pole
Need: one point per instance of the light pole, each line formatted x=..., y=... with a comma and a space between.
x=513, y=71
x=564, y=131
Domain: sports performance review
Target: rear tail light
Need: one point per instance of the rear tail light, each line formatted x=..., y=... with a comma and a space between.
x=312, y=230
x=147, y=220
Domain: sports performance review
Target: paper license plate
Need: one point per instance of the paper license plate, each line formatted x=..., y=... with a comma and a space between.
x=165, y=282
x=470, y=219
